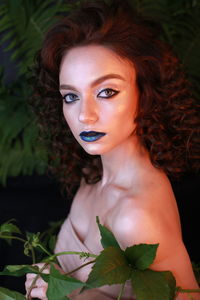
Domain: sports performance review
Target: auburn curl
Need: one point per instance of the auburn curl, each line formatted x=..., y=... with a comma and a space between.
x=167, y=123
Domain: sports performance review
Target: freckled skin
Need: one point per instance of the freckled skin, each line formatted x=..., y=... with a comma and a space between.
x=133, y=199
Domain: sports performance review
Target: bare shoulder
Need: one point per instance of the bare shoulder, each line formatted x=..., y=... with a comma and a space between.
x=153, y=219
x=135, y=224
x=147, y=218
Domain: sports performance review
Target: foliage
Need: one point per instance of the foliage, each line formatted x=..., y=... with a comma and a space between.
x=9, y=228
x=107, y=238
x=60, y=285
x=149, y=284
x=25, y=32
x=111, y=266
x=20, y=150
x=180, y=22
x=6, y=294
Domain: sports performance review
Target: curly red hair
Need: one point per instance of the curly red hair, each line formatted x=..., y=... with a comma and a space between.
x=166, y=121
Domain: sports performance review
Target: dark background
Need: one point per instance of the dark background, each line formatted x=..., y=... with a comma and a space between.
x=33, y=201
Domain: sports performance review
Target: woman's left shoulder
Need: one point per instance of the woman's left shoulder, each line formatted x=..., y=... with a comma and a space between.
x=145, y=220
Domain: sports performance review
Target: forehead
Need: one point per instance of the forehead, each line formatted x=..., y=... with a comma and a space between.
x=93, y=61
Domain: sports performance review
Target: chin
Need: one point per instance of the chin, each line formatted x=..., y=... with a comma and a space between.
x=93, y=149
x=92, y=152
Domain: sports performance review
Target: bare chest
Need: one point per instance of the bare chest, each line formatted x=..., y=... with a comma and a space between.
x=87, y=205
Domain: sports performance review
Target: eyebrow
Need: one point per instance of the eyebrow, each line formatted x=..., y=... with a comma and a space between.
x=95, y=82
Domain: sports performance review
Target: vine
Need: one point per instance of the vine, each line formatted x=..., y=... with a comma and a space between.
x=112, y=266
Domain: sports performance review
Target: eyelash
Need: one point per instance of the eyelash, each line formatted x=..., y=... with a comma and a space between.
x=69, y=94
x=115, y=92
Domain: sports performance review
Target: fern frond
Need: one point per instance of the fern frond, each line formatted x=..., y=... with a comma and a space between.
x=20, y=150
x=33, y=19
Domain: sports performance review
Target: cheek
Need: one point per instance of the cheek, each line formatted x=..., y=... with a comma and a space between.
x=121, y=122
x=65, y=114
x=68, y=117
x=122, y=114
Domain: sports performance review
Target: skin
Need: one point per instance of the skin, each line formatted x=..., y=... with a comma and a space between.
x=133, y=199
x=93, y=109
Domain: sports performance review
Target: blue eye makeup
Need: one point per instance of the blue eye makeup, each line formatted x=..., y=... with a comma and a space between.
x=70, y=98
x=107, y=93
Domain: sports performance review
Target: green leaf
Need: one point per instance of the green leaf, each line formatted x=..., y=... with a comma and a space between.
x=107, y=237
x=60, y=285
x=111, y=267
x=141, y=256
x=153, y=285
x=33, y=238
x=169, y=277
x=19, y=270
x=28, y=28
x=9, y=228
x=6, y=294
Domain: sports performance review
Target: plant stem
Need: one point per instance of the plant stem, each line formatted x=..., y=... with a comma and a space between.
x=13, y=238
x=90, y=262
x=121, y=291
x=45, y=250
x=72, y=252
x=33, y=255
x=34, y=281
x=23, y=241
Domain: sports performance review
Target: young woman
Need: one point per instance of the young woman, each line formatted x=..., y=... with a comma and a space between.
x=113, y=100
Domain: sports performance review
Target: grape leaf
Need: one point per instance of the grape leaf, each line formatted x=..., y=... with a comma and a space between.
x=107, y=237
x=153, y=285
x=60, y=285
x=19, y=270
x=141, y=256
x=111, y=267
x=6, y=294
x=9, y=228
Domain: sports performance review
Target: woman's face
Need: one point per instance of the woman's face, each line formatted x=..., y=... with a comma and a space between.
x=99, y=97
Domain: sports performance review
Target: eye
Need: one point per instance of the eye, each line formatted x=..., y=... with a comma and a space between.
x=69, y=98
x=107, y=93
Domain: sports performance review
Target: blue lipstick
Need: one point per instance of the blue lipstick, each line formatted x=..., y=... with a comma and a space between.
x=91, y=136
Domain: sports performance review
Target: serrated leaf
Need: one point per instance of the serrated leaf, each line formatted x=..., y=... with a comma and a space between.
x=107, y=237
x=141, y=256
x=111, y=267
x=60, y=285
x=19, y=270
x=9, y=228
x=153, y=285
x=6, y=294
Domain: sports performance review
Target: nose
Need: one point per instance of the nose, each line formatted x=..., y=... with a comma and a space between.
x=88, y=111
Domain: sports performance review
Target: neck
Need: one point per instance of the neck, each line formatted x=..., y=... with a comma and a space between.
x=123, y=164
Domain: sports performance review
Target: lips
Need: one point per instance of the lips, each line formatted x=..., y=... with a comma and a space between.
x=91, y=136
